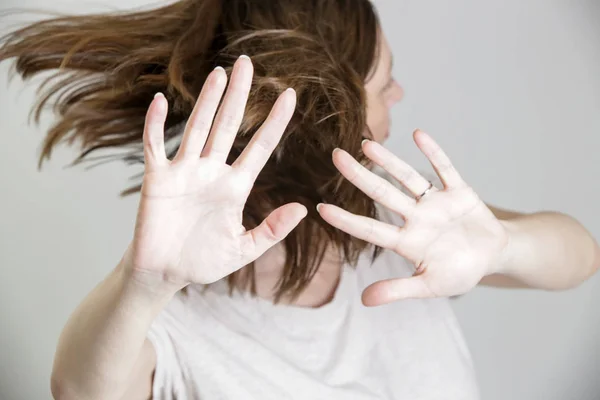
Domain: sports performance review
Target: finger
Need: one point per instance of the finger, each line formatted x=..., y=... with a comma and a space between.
x=367, y=229
x=198, y=125
x=439, y=160
x=153, y=136
x=231, y=113
x=372, y=185
x=272, y=230
x=390, y=290
x=255, y=155
x=401, y=171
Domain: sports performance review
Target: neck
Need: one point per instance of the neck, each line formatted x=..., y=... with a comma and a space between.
x=320, y=290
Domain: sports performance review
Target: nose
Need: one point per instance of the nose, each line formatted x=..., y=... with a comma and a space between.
x=398, y=93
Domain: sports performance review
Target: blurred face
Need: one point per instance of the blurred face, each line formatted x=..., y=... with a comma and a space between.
x=382, y=93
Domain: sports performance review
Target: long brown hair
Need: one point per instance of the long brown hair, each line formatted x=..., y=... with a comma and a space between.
x=109, y=66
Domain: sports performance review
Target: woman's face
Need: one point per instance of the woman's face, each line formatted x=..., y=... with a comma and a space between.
x=382, y=93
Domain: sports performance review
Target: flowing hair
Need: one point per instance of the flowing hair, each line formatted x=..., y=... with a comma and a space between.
x=107, y=67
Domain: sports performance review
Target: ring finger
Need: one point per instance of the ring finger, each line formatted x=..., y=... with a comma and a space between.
x=401, y=171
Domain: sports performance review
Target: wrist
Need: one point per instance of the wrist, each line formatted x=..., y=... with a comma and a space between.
x=150, y=284
x=505, y=263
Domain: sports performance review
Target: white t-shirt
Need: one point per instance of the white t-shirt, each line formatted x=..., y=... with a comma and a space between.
x=212, y=346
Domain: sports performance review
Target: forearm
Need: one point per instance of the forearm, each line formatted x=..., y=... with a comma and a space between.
x=101, y=341
x=549, y=250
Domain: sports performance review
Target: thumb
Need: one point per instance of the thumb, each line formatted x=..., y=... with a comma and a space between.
x=278, y=224
x=389, y=290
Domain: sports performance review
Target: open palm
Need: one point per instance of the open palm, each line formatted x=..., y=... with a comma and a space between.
x=449, y=234
x=189, y=224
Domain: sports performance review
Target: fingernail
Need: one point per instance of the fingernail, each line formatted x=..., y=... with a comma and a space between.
x=290, y=90
x=159, y=94
x=219, y=68
x=364, y=141
x=245, y=56
x=319, y=207
x=335, y=150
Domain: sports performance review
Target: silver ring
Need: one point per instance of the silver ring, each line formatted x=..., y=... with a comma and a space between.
x=425, y=192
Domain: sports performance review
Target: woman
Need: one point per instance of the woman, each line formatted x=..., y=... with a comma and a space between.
x=259, y=228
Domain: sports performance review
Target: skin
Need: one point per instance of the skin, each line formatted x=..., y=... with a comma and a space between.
x=453, y=238
x=383, y=92
x=190, y=206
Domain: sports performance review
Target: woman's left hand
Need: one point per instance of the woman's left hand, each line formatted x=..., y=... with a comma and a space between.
x=449, y=234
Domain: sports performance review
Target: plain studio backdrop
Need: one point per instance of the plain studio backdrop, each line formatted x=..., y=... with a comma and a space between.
x=511, y=90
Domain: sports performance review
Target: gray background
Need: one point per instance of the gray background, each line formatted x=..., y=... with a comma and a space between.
x=510, y=89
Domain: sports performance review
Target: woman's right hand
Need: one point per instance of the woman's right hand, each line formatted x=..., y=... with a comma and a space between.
x=189, y=223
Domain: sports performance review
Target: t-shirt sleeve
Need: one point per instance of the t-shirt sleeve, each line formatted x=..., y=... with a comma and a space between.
x=168, y=382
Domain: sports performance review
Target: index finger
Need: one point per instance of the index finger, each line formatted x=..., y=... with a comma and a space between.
x=255, y=155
